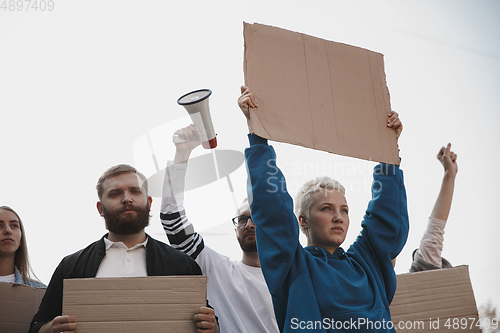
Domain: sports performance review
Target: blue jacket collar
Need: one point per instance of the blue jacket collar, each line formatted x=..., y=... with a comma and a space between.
x=319, y=252
x=30, y=282
x=19, y=278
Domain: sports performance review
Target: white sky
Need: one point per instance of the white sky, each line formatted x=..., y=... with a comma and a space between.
x=80, y=86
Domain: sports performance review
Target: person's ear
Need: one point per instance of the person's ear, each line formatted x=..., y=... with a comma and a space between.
x=99, y=208
x=150, y=200
x=303, y=222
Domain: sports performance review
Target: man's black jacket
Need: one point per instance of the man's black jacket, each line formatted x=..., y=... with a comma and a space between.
x=161, y=260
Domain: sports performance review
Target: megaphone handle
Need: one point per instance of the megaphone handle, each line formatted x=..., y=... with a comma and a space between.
x=177, y=139
x=232, y=191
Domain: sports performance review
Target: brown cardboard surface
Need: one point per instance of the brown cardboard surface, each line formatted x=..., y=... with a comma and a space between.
x=18, y=305
x=139, y=304
x=432, y=299
x=318, y=94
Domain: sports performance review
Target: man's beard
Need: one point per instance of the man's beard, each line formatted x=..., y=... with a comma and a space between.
x=247, y=245
x=127, y=224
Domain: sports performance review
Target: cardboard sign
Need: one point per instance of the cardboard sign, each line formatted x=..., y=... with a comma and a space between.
x=138, y=304
x=18, y=305
x=439, y=300
x=318, y=94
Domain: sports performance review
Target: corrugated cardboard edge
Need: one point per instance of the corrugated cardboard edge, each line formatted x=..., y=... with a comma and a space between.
x=424, y=297
x=18, y=305
x=256, y=125
x=115, y=305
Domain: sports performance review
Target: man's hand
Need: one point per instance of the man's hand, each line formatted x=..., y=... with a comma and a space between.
x=448, y=159
x=66, y=324
x=395, y=123
x=247, y=100
x=205, y=321
x=192, y=135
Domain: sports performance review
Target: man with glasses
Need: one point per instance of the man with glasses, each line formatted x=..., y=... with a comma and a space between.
x=236, y=289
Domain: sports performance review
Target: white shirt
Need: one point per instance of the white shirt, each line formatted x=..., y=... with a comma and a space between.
x=237, y=291
x=431, y=244
x=8, y=278
x=120, y=261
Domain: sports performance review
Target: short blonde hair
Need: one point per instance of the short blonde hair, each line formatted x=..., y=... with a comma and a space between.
x=304, y=199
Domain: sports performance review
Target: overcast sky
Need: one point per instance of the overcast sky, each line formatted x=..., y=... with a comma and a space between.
x=84, y=85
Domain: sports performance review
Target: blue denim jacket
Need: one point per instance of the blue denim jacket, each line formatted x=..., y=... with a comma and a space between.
x=32, y=283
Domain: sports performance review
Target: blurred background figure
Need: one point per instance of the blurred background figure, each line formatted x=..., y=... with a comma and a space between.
x=14, y=262
x=428, y=255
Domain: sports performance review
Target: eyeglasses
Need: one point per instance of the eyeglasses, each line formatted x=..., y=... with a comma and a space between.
x=241, y=221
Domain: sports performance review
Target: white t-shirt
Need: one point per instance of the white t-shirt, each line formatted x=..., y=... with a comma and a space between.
x=237, y=291
x=8, y=278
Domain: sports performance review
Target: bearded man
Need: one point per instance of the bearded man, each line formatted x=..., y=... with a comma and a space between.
x=126, y=251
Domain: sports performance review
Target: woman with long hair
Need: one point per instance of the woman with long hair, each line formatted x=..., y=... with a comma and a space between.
x=14, y=262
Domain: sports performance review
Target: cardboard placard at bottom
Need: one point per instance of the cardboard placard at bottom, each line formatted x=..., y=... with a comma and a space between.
x=18, y=305
x=137, y=304
x=440, y=300
x=137, y=326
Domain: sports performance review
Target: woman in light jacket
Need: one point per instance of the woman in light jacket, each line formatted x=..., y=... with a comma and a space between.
x=14, y=262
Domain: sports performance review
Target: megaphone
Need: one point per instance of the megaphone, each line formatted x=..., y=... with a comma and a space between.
x=196, y=104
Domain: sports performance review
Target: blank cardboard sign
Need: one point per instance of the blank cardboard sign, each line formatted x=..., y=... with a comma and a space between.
x=318, y=94
x=439, y=300
x=18, y=305
x=138, y=304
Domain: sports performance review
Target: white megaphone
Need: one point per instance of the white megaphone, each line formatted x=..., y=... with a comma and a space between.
x=196, y=104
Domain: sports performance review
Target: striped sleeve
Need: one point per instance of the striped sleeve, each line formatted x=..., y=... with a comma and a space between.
x=179, y=230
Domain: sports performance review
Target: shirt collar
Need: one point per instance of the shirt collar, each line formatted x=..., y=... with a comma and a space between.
x=108, y=244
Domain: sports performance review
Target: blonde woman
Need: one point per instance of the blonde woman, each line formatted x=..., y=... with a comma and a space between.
x=321, y=287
